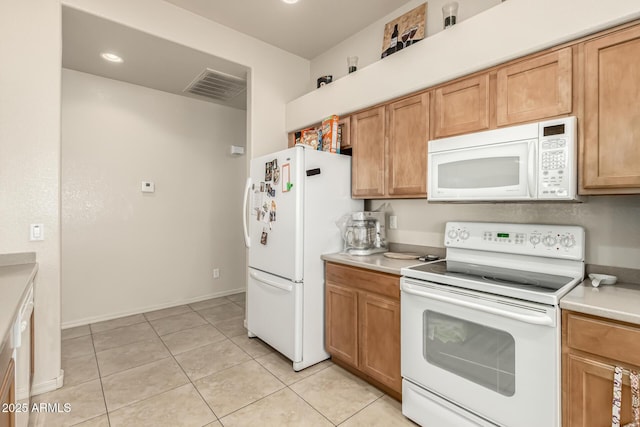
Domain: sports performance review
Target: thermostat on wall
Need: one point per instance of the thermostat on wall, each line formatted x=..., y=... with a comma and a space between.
x=237, y=150
x=148, y=187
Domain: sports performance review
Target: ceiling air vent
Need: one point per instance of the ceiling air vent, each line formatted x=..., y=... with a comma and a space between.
x=216, y=85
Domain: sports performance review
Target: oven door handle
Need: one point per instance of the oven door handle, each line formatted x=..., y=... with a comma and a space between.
x=536, y=320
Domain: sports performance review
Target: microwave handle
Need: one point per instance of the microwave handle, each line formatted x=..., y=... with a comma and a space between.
x=531, y=169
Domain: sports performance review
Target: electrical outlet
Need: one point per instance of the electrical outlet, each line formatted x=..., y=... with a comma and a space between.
x=393, y=222
x=216, y=273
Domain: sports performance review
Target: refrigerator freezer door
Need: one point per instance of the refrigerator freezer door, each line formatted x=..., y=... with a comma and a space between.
x=275, y=217
x=275, y=312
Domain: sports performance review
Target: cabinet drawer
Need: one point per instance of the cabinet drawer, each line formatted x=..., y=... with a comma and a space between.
x=605, y=338
x=361, y=278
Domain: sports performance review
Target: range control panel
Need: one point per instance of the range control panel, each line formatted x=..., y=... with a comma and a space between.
x=556, y=241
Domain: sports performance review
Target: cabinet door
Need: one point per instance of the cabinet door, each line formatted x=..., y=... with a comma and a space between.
x=462, y=107
x=611, y=148
x=380, y=339
x=341, y=323
x=408, y=130
x=589, y=391
x=368, y=157
x=7, y=395
x=535, y=89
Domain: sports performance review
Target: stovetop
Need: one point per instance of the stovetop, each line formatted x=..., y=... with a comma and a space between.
x=526, y=285
x=531, y=262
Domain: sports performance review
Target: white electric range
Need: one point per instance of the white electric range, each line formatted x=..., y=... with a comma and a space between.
x=481, y=329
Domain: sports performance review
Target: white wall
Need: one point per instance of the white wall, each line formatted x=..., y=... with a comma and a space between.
x=367, y=43
x=124, y=251
x=276, y=76
x=509, y=30
x=612, y=223
x=30, y=160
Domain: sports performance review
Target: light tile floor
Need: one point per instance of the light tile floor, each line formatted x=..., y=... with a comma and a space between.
x=193, y=365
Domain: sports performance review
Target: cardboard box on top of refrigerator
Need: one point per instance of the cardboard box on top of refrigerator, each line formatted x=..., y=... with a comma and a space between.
x=330, y=134
x=310, y=137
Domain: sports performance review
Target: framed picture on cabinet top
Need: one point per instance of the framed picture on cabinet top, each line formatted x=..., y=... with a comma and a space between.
x=405, y=30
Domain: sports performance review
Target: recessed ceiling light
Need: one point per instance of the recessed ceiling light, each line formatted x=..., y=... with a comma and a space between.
x=112, y=57
x=290, y=1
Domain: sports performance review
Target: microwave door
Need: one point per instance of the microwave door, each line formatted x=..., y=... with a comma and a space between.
x=503, y=171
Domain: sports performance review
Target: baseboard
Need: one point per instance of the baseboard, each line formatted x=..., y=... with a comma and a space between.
x=94, y=319
x=47, y=386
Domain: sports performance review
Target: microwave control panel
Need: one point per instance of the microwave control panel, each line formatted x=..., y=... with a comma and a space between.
x=557, y=159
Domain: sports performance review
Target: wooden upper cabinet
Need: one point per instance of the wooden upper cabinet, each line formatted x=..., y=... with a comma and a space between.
x=535, y=89
x=408, y=133
x=345, y=131
x=611, y=140
x=462, y=107
x=368, y=156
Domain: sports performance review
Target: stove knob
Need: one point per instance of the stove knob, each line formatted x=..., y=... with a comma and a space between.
x=464, y=234
x=568, y=241
x=452, y=234
x=549, y=240
x=534, y=240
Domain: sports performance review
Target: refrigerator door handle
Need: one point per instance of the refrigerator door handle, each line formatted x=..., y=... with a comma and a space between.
x=277, y=285
x=245, y=213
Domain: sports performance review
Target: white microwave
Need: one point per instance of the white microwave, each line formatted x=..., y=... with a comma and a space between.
x=531, y=162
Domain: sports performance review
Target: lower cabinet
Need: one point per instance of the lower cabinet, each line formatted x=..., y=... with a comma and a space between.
x=7, y=388
x=362, y=329
x=592, y=348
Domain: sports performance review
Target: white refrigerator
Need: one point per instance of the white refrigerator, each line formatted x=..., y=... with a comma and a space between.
x=292, y=201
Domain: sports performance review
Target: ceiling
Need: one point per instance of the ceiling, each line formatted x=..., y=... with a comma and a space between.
x=147, y=60
x=306, y=29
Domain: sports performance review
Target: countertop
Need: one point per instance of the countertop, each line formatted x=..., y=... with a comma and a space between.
x=16, y=272
x=620, y=301
x=377, y=262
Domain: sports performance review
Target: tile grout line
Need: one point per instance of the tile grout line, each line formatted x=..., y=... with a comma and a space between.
x=104, y=397
x=363, y=408
x=229, y=338
x=150, y=397
x=171, y=355
x=185, y=373
x=305, y=400
x=146, y=320
x=219, y=419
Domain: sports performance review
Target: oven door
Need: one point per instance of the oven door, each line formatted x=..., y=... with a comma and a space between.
x=504, y=171
x=495, y=357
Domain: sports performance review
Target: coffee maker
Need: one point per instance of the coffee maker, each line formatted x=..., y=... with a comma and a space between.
x=364, y=233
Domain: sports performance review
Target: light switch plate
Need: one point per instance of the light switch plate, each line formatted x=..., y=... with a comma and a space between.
x=36, y=232
x=148, y=187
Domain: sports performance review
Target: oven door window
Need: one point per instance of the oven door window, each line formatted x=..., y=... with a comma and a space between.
x=483, y=355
